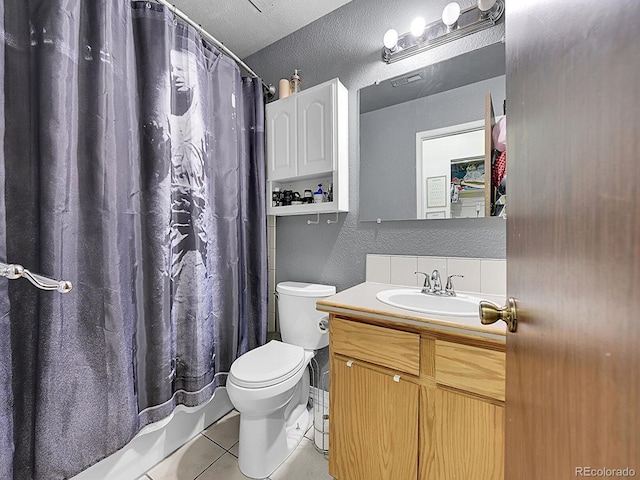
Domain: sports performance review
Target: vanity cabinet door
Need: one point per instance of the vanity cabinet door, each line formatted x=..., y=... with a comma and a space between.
x=464, y=438
x=374, y=424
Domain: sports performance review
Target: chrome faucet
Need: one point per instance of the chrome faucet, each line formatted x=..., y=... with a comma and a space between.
x=448, y=289
x=432, y=284
x=426, y=286
x=436, y=289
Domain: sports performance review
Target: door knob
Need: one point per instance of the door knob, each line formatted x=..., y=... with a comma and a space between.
x=490, y=313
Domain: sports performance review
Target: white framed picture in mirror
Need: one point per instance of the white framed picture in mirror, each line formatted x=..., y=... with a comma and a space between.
x=436, y=193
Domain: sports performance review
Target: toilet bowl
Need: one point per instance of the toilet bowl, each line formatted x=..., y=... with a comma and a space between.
x=269, y=385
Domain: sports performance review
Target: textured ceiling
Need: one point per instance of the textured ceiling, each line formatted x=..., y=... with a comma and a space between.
x=247, y=26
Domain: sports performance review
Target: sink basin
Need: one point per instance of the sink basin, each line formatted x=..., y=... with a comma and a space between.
x=412, y=299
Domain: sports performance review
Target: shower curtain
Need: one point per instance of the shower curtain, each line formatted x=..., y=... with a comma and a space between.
x=132, y=165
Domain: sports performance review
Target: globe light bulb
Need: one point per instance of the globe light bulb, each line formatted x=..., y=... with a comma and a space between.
x=450, y=14
x=390, y=39
x=486, y=5
x=417, y=27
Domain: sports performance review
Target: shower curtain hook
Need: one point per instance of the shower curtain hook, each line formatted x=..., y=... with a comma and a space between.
x=175, y=15
x=317, y=221
x=148, y=4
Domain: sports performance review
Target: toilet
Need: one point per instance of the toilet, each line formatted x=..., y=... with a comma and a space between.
x=269, y=385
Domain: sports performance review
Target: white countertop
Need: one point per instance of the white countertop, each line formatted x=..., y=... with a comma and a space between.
x=362, y=299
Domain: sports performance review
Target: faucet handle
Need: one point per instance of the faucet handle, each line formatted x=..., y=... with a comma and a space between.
x=426, y=286
x=449, y=287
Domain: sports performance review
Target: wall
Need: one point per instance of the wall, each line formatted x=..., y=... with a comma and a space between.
x=347, y=43
x=388, y=144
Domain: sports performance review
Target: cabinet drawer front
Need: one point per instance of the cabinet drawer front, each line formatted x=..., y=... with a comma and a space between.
x=382, y=346
x=471, y=369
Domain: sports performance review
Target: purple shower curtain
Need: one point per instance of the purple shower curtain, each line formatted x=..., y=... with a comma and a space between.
x=133, y=165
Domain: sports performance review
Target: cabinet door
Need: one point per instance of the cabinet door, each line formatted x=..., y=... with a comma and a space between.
x=281, y=139
x=464, y=437
x=316, y=131
x=374, y=425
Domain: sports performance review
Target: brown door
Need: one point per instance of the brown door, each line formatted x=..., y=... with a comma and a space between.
x=573, y=238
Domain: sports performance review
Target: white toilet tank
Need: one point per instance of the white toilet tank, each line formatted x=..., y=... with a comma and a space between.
x=299, y=319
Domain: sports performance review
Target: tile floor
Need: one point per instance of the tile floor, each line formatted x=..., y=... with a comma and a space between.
x=213, y=455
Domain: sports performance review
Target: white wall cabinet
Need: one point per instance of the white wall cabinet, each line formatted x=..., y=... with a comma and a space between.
x=307, y=144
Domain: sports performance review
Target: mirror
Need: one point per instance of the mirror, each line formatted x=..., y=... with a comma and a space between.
x=409, y=120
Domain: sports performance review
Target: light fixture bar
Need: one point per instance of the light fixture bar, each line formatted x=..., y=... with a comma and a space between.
x=471, y=20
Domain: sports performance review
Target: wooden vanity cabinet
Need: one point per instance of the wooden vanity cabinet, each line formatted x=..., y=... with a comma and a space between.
x=409, y=403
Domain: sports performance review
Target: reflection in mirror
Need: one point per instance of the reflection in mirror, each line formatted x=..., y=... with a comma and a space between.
x=405, y=119
x=450, y=172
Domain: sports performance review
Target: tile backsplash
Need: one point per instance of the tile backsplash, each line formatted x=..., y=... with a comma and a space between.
x=481, y=275
x=402, y=270
x=379, y=268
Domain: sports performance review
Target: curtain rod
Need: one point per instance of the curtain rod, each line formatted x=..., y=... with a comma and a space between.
x=270, y=90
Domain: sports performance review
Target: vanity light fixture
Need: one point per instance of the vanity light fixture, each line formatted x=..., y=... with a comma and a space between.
x=456, y=23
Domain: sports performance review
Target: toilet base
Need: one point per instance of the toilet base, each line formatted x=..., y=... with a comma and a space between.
x=265, y=443
x=273, y=421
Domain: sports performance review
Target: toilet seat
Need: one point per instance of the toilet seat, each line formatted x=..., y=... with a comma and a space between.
x=267, y=365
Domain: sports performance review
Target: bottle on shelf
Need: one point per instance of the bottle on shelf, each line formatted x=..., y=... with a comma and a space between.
x=308, y=196
x=294, y=83
x=284, y=88
x=276, y=197
x=318, y=195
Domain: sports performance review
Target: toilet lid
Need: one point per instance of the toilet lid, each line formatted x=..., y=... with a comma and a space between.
x=267, y=365
x=301, y=289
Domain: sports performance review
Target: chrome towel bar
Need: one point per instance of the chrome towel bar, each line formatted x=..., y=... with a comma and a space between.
x=13, y=271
